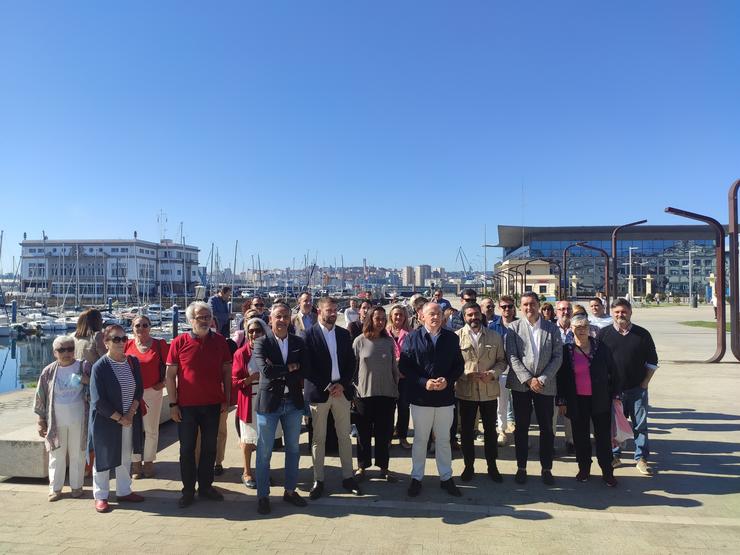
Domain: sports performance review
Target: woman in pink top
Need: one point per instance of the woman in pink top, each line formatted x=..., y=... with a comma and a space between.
x=398, y=329
x=586, y=386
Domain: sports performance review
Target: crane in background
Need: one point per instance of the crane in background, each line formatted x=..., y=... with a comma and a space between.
x=461, y=256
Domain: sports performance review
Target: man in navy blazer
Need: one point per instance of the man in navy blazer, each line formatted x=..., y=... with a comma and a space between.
x=282, y=360
x=328, y=388
x=431, y=361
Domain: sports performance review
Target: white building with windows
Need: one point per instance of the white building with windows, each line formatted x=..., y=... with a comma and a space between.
x=95, y=269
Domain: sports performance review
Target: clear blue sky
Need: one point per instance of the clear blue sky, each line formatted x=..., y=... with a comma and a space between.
x=386, y=130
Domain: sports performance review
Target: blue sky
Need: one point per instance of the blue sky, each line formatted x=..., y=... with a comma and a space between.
x=387, y=130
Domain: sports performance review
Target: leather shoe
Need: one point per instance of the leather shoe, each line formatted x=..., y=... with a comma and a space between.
x=263, y=506
x=404, y=443
x=521, y=476
x=130, y=498
x=350, y=484
x=548, y=478
x=211, y=494
x=610, y=480
x=317, y=490
x=495, y=475
x=414, y=488
x=450, y=487
x=218, y=470
x=467, y=474
x=101, y=506
x=582, y=476
x=186, y=500
x=294, y=499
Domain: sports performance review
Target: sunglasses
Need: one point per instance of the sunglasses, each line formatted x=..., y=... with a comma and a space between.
x=257, y=331
x=118, y=339
x=65, y=350
x=258, y=305
x=142, y=325
x=505, y=306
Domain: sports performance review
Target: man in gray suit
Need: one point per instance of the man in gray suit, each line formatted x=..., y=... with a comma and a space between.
x=535, y=351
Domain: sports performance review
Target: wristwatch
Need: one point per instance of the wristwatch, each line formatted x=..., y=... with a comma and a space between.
x=173, y=405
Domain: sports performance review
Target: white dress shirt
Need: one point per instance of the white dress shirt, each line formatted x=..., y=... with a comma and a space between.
x=330, y=335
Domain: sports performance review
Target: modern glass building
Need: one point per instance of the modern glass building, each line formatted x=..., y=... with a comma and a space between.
x=663, y=252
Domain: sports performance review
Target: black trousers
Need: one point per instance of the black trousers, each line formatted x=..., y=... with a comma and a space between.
x=374, y=418
x=602, y=436
x=204, y=418
x=402, y=405
x=543, y=409
x=468, y=412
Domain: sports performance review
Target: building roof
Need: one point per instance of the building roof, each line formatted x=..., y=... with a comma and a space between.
x=164, y=244
x=513, y=236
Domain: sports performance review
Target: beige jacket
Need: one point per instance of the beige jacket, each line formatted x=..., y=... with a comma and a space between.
x=488, y=358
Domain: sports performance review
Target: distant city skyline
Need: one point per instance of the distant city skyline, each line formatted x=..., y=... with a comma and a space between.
x=391, y=132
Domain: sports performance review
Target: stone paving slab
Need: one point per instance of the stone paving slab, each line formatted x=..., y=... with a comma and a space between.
x=692, y=505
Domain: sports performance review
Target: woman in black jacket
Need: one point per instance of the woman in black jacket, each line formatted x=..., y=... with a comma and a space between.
x=585, y=391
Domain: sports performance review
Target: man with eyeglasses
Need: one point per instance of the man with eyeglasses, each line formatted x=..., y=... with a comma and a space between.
x=457, y=321
x=258, y=303
x=505, y=411
x=199, y=388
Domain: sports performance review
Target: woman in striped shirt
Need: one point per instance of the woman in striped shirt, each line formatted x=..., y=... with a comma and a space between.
x=115, y=419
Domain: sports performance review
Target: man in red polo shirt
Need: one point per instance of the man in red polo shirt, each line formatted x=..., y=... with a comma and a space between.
x=199, y=388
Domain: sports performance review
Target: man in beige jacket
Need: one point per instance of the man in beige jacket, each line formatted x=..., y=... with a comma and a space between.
x=478, y=388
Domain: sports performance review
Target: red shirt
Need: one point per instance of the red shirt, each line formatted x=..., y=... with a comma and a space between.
x=149, y=361
x=199, y=368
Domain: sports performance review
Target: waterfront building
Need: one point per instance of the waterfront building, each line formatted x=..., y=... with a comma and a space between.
x=422, y=274
x=91, y=270
x=407, y=277
x=660, y=256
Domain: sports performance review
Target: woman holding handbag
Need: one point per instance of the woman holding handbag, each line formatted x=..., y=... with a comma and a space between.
x=152, y=356
x=586, y=386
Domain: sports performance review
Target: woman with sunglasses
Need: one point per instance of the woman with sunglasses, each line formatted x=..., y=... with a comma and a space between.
x=586, y=384
x=242, y=378
x=152, y=356
x=62, y=407
x=548, y=312
x=115, y=419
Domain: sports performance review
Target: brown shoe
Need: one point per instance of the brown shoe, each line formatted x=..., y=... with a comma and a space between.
x=55, y=496
x=136, y=471
x=404, y=443
x=149, y=470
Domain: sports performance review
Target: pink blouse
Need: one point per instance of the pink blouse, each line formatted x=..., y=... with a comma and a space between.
x=582, y=372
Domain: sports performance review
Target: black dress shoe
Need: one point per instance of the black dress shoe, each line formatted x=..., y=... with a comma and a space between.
x=218, y=470
x=211, y=494
x=186, y=500
x=495, y=475
x=317, y=490
x=263, y=506
x=467, y=474
x=414, y=488
x=548, y=478
x=521, y=476
x=350, y=484
x=294, y=499
x=450, y=487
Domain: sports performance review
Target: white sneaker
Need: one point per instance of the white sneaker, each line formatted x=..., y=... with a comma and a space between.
x=503, y=439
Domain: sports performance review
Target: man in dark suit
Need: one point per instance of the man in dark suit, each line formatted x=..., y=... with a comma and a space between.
x=328, y=388
x=282, y=360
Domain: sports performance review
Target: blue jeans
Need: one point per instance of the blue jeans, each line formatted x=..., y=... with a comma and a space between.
x=290, y=417
x=635, y=402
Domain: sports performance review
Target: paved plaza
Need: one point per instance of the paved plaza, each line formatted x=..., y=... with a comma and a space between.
x=692, y=504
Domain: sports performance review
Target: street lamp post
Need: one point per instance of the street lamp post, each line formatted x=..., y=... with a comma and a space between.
x=614, y=253
x=631, y=278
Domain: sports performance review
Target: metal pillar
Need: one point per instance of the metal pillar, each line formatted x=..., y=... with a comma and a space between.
x=719, y=281
x=606, y=264
x=733, y=271
x=615, y=288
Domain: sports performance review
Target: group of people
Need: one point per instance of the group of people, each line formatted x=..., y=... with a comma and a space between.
x=101, y=399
